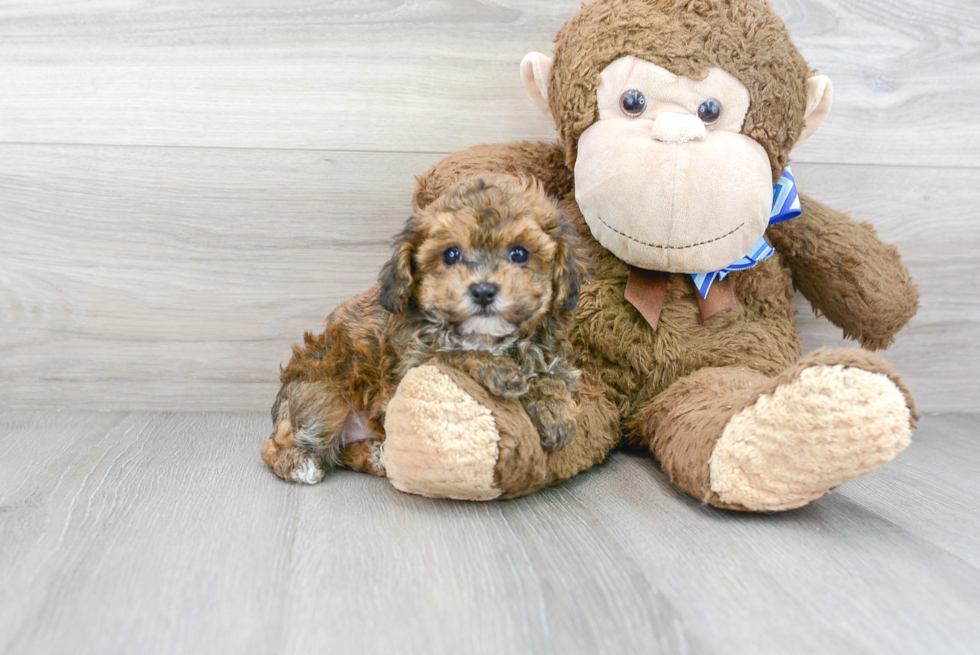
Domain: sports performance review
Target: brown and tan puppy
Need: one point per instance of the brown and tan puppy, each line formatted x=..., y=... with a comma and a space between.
x=481, y=280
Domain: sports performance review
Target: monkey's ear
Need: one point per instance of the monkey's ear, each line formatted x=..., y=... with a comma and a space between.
x=819, y=98
x=536, y=76
x=572, y=266
x=397, y=277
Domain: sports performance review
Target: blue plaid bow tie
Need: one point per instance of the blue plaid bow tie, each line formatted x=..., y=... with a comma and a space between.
x=785, y=205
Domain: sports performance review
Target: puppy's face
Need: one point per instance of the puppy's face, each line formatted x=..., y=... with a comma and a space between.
x=490, y=259
x=487, y=274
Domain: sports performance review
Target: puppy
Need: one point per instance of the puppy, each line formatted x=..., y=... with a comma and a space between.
x=480, y=280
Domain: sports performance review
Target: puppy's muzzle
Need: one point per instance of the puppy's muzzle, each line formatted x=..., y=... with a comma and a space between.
x=484, y=293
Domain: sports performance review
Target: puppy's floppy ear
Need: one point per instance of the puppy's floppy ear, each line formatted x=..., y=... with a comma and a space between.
x=572, y=265
x=398, y=275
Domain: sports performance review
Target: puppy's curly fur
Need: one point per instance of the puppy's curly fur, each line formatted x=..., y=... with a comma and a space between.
x=480, y=280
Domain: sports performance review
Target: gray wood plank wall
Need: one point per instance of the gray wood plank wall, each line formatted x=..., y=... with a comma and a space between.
x=185, y=187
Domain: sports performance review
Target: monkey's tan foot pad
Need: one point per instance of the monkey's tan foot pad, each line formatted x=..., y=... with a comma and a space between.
x=292, y=463
x=828, y=425
x=440, y=442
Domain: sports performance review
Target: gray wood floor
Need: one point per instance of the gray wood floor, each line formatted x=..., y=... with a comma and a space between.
x=162, y=533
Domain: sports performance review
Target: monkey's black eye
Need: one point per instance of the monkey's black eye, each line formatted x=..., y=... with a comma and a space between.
x=452, y=256
x=518, y=255
x=633, y=103
x=709, y=111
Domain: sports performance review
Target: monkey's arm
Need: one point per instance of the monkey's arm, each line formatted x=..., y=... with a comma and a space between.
x=847, y=273
x=544, y=161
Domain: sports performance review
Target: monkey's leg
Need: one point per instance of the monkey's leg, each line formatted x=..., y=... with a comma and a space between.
x=733, y=438
x=448, y=437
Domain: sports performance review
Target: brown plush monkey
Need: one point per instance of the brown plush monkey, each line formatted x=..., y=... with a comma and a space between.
x=676, y=117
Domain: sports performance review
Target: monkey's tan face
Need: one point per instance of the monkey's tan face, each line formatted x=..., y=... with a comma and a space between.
x=488, y=279
x=664, y=178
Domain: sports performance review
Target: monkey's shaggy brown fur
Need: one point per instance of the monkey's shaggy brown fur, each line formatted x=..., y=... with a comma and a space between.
x=673, y=390
x=418, y=314
x=687, y=38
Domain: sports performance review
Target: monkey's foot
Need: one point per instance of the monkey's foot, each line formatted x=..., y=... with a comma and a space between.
x=825, y=426
x=441, y=442
x=448, y=437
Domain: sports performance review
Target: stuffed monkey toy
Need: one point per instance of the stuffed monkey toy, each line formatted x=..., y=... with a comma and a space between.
x=676, y=120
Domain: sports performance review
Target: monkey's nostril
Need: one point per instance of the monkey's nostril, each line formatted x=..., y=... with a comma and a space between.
x=483, y=293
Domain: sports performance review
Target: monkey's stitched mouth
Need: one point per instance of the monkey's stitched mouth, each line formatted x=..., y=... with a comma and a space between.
x=654, y=245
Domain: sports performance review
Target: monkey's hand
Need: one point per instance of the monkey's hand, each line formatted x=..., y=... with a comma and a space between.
x=847, y=273
x=549, y=405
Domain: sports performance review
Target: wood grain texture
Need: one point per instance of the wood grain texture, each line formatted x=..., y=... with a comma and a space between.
x=141, y=532
x=174, y=278
x=179, y=277
x=434, y=75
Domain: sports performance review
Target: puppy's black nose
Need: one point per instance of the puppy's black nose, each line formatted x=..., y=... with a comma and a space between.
x=483, y=293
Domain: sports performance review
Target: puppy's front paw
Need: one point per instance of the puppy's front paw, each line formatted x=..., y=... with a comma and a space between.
x=505, y=382
x=555, y=425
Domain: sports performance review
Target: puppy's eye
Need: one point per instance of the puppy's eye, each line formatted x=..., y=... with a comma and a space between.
x=452, y=256
x=633, y=103
x=518, y=255
x=709, y=111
